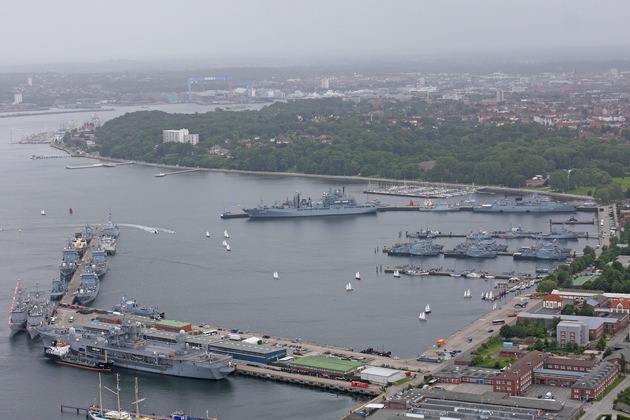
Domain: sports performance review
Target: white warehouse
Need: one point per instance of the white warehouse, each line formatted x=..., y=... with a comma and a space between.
x=383, y=376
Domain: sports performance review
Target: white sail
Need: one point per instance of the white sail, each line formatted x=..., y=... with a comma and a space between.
x=396, y=273
x=207, y=234
x=224, y=243
x=422, y=316
x=357, y=276
x=348, y=287
x=225, y=234
x=427, y=309
x=228, y=247
x=275, y=274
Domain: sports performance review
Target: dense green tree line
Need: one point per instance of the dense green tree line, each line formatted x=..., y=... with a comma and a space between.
x=389, y=139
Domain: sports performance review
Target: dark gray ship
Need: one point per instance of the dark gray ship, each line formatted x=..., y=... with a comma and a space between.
x=334, y=202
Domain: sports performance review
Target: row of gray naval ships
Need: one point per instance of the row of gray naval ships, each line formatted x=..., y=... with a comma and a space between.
x=100, y=345
x=32, y=309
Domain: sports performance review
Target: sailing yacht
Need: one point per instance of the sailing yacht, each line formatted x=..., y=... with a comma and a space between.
x=349, y=287
x=357, y=276
x=427, y=309
x=225, y=234
x=467, y=294
x=224, y=243
x=207, y=234
x=227, y=247
x=98, y=413
x=396, y=273
x=275, y=275
x=422, y=316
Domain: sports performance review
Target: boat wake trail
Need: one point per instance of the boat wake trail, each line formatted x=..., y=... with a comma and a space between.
x=147, y=228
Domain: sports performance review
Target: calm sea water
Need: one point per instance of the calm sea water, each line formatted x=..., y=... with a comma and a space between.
x=191, y=277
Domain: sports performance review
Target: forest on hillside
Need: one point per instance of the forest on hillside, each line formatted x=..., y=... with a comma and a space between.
x=406, y=140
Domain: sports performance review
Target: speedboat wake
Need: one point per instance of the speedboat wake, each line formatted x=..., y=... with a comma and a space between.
x=147, y=228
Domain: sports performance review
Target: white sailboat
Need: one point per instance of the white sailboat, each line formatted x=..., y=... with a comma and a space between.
x=98, y=414
x=43, y=212
x=422, y=316
x=427, y=309
x=349, y=287
x=467, y=294
x=275, y=275
x=357, y=276
x=396, y=273
x=227, y=247
x=225, y=234
x=207, y=234
x=224, y=243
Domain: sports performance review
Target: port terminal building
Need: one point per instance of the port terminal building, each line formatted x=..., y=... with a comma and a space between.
x=249, y=352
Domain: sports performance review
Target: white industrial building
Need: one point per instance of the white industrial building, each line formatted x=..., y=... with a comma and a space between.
x=381, y=376
x=179, y=136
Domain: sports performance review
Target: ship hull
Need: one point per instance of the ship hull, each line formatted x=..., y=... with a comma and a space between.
x=270, y=213
x=154, y=359
x=526, y=209
x=95, y=365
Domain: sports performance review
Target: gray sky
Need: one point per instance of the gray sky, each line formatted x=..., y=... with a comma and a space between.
x=43, y=31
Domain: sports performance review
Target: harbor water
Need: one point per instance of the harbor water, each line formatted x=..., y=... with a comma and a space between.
x=191, y=277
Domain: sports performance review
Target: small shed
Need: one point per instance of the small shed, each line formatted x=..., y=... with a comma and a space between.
x=381, y=376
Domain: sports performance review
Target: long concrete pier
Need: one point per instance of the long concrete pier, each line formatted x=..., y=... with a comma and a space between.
x=75, y=282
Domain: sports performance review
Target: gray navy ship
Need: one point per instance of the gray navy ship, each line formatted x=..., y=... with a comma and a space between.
x=334, y=202
x=132, y=346
x=534, y=205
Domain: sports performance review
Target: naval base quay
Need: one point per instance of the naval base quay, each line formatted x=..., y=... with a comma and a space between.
x=141, y=338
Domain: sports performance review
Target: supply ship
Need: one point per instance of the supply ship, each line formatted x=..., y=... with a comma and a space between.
x=131, y=346
x=334, y=202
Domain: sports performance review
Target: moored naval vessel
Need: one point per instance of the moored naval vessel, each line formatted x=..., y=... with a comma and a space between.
x=70, y=260
x=334, y=202
x=534, y=205
x=89, y=287
x=130, y=345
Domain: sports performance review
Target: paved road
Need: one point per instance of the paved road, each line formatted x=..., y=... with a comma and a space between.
x=594, y=409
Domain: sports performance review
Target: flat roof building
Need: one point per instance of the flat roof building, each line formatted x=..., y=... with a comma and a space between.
x=179, y=136
x=381, y=376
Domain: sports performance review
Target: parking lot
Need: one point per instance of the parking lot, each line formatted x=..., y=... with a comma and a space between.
x=558, y=392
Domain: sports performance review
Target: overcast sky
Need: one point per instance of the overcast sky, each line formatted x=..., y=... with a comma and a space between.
x=45, y=31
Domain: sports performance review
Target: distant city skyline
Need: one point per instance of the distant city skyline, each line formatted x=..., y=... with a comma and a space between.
x=251, y=32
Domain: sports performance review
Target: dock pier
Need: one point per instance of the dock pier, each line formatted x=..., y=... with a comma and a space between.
x=272, y=373
x=163, y=174
x=75, y=282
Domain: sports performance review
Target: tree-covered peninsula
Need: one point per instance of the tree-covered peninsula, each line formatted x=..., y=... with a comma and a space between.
x=410, y=140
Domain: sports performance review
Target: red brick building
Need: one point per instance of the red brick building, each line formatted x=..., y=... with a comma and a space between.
x=574, y=365
x=518, y=377
x=620, y=306
x=595, y=382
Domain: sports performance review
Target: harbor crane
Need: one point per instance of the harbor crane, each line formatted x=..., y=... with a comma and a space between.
x=192, y=80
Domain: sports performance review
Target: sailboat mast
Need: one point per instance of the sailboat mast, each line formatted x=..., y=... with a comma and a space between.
x=137, y=401
x=100, y=394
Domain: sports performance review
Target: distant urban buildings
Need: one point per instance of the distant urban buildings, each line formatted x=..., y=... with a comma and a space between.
x=179, y=136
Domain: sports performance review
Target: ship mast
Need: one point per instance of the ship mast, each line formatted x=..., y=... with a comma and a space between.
x=100, y=394
x=138, y=400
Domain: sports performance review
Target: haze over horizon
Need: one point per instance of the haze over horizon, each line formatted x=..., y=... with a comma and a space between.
x=254, y=32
